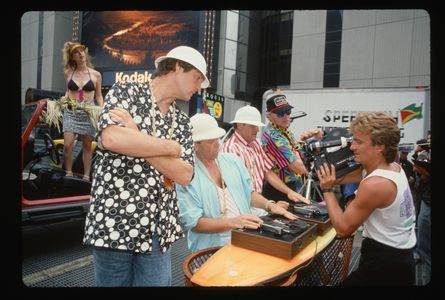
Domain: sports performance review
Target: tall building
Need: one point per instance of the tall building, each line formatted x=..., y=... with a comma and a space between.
x=251, y=51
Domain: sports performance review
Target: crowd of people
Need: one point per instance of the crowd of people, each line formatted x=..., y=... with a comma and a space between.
x=161, y=175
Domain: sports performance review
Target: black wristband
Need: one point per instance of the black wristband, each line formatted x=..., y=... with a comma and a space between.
x=327, y=190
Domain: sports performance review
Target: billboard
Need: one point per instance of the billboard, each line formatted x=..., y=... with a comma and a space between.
x=131, y=40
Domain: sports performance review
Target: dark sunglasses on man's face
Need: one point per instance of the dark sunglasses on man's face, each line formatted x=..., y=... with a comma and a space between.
x=281, y=114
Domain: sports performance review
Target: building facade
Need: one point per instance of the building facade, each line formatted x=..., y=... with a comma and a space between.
x=258, y=50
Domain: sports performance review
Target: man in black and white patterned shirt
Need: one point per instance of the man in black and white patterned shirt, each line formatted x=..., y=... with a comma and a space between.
x=133, y=215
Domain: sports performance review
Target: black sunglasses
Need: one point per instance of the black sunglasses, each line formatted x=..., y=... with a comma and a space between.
x=281, y=114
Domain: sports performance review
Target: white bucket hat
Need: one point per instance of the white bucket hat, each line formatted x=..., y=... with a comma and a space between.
x=248, y=115
x=205, y=127
x=191, y=56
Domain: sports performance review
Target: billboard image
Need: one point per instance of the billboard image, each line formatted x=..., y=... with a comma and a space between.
x=131, y=40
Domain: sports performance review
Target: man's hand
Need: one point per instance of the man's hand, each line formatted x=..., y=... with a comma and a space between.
x=276, y=209
x=296, y=197
x=245, y=221
x=326, y=175
x=283, y=204
x=310, y=133
x=122, y=117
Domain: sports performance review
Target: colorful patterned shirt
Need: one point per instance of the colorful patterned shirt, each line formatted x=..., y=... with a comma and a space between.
x=281, y=147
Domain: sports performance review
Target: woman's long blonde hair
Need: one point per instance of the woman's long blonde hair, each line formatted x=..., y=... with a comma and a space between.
x=68, y=61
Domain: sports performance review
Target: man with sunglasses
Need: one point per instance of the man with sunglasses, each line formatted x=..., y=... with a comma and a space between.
x=282, y=147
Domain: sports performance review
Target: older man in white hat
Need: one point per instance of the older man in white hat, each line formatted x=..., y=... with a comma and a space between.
x=145, y=145
x=245, y=144
x=220, y=195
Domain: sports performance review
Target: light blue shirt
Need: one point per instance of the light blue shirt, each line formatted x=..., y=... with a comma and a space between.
x=199, y=199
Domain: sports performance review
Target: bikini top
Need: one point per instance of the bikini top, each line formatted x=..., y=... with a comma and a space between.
x=88, y=87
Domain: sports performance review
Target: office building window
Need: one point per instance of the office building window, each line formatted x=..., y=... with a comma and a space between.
x=276, y=48
x=332, y=55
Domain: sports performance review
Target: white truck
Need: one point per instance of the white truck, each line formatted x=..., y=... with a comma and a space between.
x=336, y=107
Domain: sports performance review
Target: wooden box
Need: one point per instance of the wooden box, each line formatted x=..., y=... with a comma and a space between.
x=285, y=245
x=322, y=225
x=322, y=220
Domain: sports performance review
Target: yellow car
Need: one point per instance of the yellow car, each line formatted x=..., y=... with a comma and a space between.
x=60, y=142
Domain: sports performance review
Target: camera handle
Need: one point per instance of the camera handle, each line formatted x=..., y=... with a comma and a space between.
x=308, y=187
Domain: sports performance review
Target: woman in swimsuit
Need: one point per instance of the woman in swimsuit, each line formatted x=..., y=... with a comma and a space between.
x=83, y=84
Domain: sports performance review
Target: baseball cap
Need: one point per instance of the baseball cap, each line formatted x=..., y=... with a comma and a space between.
x=277, y=104
x=191, y=56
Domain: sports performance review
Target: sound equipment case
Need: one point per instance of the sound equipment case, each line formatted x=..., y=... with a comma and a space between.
x=286, y=245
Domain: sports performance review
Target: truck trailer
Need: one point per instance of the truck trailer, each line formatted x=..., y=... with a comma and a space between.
x=337, y=107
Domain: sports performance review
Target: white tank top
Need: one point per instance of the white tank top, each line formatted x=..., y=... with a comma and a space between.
x=393, y=225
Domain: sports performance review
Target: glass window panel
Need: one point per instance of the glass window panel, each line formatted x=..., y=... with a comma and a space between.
x=333, y=36
x=241, y=59
x=243, y=36
x=331, y=80
x=232, y=25
x=334, y=20
x=333, y=68
x=230, y=55
x=332, y=52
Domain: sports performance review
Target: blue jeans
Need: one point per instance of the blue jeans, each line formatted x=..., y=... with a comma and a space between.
x=424, y=244
x=116, y=268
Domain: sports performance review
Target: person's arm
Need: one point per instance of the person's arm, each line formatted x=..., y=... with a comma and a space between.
x=210, y=225
x=174, y=168
x=372, y=193
x=352, y=177
x=298, y=167
x=98, y=93
x=257, y=200
x=191, y=201
x=66, y=96
x=134, y=143
x=278, y=184
x=284, y=155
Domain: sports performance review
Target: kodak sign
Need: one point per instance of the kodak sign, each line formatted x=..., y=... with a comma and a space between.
x=140, y=76
x=135, y=77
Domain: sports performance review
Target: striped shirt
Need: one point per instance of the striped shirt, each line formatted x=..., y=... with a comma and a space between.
x=282, y=148
x=254, y=157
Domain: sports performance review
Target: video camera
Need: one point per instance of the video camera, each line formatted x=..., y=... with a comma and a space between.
x=332, y=149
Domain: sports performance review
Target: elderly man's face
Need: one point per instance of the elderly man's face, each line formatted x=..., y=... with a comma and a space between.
x=281, y=119
x=208, y=149
x=247, y=131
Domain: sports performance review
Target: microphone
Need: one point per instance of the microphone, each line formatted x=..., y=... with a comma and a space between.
x=342, y=142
